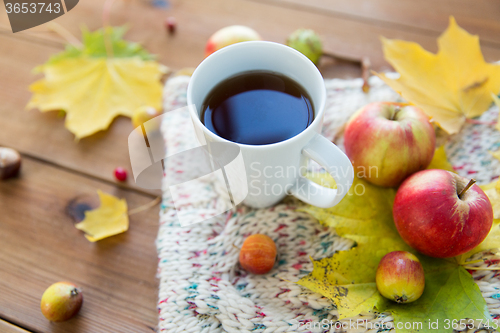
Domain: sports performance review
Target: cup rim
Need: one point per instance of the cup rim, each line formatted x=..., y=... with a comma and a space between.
x=318, y=116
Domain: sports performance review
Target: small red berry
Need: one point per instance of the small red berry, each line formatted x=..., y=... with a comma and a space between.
x=258, y=254
x=121, y=174
x=171, y=24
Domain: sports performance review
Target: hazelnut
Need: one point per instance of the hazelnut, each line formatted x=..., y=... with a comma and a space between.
x=10, y=163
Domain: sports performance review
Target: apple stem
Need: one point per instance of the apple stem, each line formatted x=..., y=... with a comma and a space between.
x=468, y=186
x=396, y=110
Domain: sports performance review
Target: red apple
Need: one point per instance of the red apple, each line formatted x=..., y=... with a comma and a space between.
x=230, y=35
x=442, y=214
x=400, y=277
x=387, y=142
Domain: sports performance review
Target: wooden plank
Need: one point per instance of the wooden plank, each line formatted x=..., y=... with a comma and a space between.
x=6, y=327
x=198, y=19
x=40, y=246
x=424, y=16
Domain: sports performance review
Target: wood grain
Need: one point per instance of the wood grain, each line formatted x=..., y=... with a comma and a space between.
x=6, y=327
x=428, y=17
x=40, y=246
x=198, y=19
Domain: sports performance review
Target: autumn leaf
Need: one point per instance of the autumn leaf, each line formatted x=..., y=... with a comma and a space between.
x=111, y=218
x=496, y=100
x=348, y=277
x=492, y=190
x=490, y=243
x=450, y=86
x=365, y=216
x=94, y=45
x=440, y=161
x=495, y=154
x=93, y=89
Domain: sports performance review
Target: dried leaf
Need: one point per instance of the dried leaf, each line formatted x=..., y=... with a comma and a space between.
x=491, y=242
x=450, y=86
x=493, y=192
x=365, y=216
x=495, y=154
x=440, y=160
x=496, y=100
x=93, y=89
x=110, y=219
x=94, y=45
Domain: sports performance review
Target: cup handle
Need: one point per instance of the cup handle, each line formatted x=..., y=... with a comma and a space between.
x=336, y=163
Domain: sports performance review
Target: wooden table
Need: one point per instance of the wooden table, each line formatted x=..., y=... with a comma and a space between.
x=39, y=244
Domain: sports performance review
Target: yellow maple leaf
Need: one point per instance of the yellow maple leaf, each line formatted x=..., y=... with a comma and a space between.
x=111, y=218
x=450, y=86
x=440, y=161
x=491, y=242
x=495, y=154
x=94, y=90
x=492, y=190
x=497, y=103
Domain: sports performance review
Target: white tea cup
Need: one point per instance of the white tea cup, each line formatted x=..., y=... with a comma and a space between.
x=277, y=169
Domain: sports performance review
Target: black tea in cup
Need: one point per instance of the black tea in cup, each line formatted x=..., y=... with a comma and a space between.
x=257, y=108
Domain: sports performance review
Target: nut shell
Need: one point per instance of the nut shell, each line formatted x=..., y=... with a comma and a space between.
x=10, y=163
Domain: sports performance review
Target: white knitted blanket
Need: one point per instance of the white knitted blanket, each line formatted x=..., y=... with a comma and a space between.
x=202, y=287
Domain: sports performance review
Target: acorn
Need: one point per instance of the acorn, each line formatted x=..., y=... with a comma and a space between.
x=10, y=163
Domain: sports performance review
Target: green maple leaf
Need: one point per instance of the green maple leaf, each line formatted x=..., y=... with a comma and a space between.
x=94, y=45
x=348, y=277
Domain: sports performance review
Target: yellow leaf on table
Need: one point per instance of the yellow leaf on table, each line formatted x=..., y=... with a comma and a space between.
x=450, y=86
x=94, y=90
x=111, y=218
